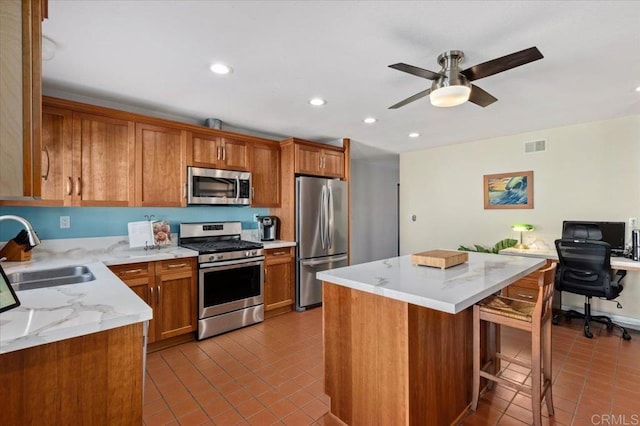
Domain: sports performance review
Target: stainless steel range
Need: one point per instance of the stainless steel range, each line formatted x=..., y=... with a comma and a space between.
x=230, y=276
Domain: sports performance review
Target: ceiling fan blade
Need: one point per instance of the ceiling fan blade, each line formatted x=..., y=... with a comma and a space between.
x=480, y=97
x=411, y=99
x=420, y=72
x=504, y=63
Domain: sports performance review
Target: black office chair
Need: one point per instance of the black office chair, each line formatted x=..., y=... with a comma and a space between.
x=585, y=268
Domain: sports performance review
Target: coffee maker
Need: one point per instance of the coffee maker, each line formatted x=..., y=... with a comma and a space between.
x=267, y=227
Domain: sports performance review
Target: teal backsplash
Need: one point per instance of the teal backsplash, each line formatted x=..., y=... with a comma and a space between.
x=112, y=221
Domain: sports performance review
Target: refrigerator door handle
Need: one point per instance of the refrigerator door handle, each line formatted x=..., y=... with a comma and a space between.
x=330, y=222
x=323, y=261
x=323, y=219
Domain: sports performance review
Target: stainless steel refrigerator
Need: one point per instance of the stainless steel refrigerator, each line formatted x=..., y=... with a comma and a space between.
x=321, y=234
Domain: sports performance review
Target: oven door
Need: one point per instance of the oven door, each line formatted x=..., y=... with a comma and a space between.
x=228, y=286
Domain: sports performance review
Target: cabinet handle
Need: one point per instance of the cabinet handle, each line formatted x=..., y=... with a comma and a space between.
x=79, y=187
x=159, y=295
x=131, y=271
x=69, y=185
x=176, y=265
x=224, y=153
x=279, y=253
x=525, y=296
x=218, y=153
x=45, y=176
x=151, y=297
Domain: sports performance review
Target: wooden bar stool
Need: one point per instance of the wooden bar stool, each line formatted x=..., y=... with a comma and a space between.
x=532, y=317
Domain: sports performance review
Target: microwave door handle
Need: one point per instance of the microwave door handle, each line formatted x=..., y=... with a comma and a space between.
x=237, y=188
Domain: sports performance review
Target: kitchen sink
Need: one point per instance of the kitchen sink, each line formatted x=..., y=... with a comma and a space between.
x=50, y=277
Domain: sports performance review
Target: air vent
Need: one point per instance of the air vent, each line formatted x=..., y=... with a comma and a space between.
x=535, y=146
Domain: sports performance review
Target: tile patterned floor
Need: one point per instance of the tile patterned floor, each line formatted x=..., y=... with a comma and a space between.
x=271, y=373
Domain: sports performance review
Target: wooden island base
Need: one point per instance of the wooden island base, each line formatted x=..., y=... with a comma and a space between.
x=389, y=362
x=93, y=379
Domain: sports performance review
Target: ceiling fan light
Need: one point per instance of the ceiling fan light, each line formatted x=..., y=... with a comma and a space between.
x=448, y=96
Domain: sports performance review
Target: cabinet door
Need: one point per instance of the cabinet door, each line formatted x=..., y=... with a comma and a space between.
x=160, y=166
x=176, y=293
x=265, y=175
x=204, y=150
x=278, y=282
x=56, y=155
x=307, y=160
x=141, y=280
x=103, y=161
x=332, y=163
x=234, y=154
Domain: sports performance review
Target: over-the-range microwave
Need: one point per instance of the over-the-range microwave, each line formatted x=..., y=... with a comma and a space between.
x=218, y=187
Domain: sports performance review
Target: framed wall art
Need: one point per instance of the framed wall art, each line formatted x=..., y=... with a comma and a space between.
x=508, y=190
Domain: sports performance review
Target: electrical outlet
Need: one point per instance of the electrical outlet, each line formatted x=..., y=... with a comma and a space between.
x=255, y=217
x=633, y=222
x=65, y=222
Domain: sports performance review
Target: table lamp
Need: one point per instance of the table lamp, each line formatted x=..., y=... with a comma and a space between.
x=522, y=227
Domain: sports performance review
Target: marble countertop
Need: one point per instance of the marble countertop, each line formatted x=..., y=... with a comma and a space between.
x=57, y=313
x=451, y=290
x=277, y=244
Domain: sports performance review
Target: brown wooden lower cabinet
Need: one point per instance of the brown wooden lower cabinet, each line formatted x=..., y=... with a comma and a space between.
x=169, y=287
x=388, y=362
x=92, y=379
x=279, y=270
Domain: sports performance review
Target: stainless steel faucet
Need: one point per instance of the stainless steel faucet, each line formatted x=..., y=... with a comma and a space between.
x=33, y=237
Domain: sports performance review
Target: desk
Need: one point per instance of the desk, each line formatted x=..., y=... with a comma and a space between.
x=551, y=254
x=398, y=337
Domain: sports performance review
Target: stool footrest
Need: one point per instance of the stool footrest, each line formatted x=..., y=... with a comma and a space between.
x=507, y=382
x=513, y=360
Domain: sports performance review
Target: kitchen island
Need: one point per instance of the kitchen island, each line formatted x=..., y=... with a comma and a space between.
x=398, y=337
x=74, y=354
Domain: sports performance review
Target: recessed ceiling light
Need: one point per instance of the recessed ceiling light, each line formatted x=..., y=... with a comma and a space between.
x=317, y=101
x=638, y=89
x=220, y=69
x=369, y=120
x=414, y=135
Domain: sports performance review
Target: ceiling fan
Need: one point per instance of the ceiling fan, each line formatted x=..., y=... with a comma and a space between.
x=451, y=86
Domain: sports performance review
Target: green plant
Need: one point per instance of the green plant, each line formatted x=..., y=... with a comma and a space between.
x=506, y=243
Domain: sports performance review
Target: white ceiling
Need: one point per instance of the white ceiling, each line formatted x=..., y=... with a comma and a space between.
x=155, y=55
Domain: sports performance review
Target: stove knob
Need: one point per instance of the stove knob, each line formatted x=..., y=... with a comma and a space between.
x=247, y=253
x=254, y=252
x=219, y=257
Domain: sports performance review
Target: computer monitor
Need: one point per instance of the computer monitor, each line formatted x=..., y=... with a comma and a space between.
x=612, y=232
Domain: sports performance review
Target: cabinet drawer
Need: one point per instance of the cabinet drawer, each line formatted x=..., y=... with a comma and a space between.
x=175, y=265
x=522, y=293
x=279, y=252
x=132, y=270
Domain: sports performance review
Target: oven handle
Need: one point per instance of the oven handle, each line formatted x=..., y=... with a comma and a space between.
x=237, y=188
x=240, y=262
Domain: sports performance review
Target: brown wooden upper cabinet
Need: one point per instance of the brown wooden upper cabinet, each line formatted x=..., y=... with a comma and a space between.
x=217, y=152
x=312, y=160
x=86, y=160
x=265, y=174
x=160, y=166
x=21, y=91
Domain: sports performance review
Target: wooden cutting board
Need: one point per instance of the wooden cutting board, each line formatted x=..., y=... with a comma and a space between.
x=439, y=258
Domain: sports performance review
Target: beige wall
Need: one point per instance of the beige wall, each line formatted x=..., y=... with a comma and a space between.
x=590, y=171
